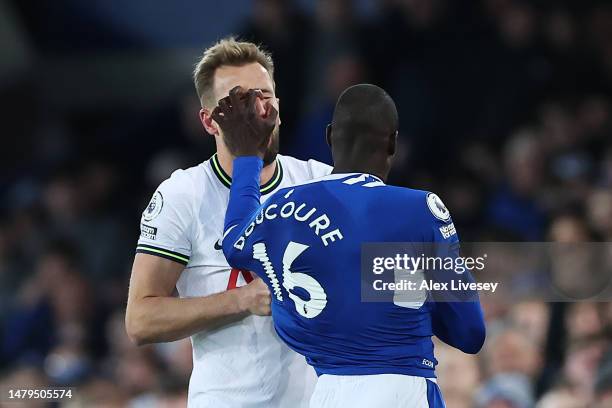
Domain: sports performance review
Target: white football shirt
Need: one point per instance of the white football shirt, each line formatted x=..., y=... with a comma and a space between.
x=243, y=364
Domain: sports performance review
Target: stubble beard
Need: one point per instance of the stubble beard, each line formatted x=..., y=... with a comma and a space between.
x=272, y=151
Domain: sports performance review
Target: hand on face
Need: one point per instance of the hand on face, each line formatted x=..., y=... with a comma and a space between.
x=247, y=122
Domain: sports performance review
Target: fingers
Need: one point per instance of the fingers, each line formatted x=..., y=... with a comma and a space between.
x=251, y=102
x=235, y=94
x=271, y=113
x=255, y=103
x=217, y=115
x=225, y=104
x=267, y=311
x=259, y=283
x=262, y=300
x=234, y=101
x=258, y=93
x=265, y=304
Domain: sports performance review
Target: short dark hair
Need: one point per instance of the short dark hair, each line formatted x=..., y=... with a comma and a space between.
x=365, y=108
x=228, y=51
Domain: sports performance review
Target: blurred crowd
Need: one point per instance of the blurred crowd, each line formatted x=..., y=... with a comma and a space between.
x=505, y=111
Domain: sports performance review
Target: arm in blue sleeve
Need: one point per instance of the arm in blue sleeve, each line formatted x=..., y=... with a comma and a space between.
x=244, y=201
x=457, y=318
x=459, y=324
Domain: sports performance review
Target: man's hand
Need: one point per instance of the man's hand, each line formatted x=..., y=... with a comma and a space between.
x=255, y=298
x=245, y=131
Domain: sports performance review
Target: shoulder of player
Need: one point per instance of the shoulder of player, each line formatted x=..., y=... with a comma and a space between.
x=311, y=168
x=423, y=201
x=182, y=182
x=406, y=194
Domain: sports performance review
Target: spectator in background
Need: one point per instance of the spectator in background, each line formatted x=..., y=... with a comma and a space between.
x=98, y=392
x=335, y=33
x=342, y=72
x=599, y=207
x=581, y=363
x=286, y=33
x=531, y=318
x=572, y=254
x=511, y=352
x=561, y=397
x=79, y=205
x=27, y=378
x=603, y=383
x=506, y=391
x=43, y=308
x=458, y=374
x=583, y=320
x=606, y=167
x=514, y=206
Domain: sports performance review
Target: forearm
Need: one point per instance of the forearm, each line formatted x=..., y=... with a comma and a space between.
x=460, y=324
x=243, y=203
x=156, y=319
x=457, y=317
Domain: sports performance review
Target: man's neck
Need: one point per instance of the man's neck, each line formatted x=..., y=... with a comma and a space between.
x=226, y=161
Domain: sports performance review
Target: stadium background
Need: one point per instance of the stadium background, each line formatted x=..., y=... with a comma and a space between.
x=505, y=110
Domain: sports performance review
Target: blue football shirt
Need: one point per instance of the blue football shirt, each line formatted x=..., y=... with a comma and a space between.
x=305, y=242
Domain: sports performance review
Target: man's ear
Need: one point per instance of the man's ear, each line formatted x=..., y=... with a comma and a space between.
x=392, y=144
x=328, y=131
x=207, y=121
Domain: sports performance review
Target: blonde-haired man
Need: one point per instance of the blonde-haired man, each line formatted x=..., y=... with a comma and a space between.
x=238, y=359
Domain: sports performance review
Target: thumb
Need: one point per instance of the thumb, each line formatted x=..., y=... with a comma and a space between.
x=271, y=113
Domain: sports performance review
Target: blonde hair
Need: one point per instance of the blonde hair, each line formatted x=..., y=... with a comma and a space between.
x=227, y=51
